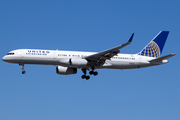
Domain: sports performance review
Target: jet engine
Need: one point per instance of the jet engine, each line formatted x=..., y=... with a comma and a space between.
x=65, y=70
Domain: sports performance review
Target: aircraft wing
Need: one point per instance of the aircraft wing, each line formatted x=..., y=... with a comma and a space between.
x=100, y=58
x=162, y=58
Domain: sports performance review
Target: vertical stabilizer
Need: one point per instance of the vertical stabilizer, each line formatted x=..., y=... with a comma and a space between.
x=155, y=47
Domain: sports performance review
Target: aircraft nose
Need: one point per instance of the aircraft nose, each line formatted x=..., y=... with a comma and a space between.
x=4, y=58
x=7, y=59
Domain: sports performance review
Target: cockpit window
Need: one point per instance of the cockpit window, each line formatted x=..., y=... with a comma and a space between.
x=10, y=54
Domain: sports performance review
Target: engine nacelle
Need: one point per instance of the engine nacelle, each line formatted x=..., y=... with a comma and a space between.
x=78, y=62
x=65, y=70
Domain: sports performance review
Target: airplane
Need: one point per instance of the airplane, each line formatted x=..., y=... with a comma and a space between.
x=67, y=62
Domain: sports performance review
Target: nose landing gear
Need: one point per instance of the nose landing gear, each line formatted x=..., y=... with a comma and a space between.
x=22, y=68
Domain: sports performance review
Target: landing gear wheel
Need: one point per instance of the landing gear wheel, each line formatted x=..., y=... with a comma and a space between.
x=83, y=76
x=23, y=72
x=95, y=73
x=91, y=72
x=87, y=77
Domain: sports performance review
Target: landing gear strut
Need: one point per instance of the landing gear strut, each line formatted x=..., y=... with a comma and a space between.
x=92, y=72
x=85, y=76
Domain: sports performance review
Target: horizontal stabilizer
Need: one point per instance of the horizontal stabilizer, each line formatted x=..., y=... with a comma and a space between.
x=162, y=58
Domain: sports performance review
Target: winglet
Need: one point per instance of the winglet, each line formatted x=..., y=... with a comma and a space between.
x=130, y=39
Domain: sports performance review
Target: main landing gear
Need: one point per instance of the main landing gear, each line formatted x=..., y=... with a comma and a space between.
x=22, y=68
x=87, y=77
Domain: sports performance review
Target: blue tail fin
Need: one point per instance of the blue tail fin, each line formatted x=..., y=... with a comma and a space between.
x=155, y=47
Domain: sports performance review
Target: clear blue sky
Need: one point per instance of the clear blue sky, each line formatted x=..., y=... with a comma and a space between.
x=95, y=25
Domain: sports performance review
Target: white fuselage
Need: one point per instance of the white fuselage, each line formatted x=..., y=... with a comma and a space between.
x=56, y=57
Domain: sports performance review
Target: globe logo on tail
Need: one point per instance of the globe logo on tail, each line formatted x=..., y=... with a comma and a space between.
x=151, y=50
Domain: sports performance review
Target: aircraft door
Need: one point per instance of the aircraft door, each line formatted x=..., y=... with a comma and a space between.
x=54, y=55
x=22, y=54
x=140, y=60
